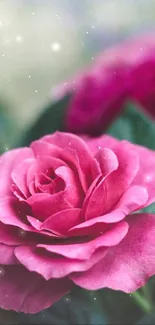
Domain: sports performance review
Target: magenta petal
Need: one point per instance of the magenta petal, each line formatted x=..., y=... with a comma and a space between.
x=94, y=206
x=84, y=251
x=133, y=199
x=9, y=235
x=146, y=174
x=8, y=162
x=28, y=292
x=62, y=221
x=118, y=181
x=42, y=148
x=10, y=214
x=73, y=148
x=104, y=141
x=73, y=192
x=54, y=267
x=44, y=205
x=18, y=176
x=108, y=160
x=128, y=265
x=7, y=256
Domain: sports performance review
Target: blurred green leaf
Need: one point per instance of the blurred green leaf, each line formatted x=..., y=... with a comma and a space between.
x=50, y=120
x=147, y=320
x=134, y=126
x=7, y=128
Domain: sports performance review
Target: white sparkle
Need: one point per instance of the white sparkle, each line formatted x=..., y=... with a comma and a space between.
x=99, y=148
x=141, y=49
x=86, y=32
x=55, y=47
x=36, y=91
x=148, y=178
x=3, y=54
x=9, y=80
x=22, y=233
x=92, y=58
x=29, y=76
x=94, y=298
x=93, y=26
x=19, y=38
x=1, y=23
x=33, y=13
x=2, y=271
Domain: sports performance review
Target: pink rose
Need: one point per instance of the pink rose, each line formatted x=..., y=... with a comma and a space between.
x=68, y=215
x=122, y=73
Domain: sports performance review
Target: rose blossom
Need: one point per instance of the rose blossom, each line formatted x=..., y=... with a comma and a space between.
x=67, y=217
x=122, y=73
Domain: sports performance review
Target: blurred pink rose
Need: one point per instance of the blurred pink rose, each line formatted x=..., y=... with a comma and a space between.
x=67, y=217
x=120, y=74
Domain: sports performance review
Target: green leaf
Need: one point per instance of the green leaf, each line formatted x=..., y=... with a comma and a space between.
x=134, y=126
x=51, y=119
x=147, y=320
x=7, y=128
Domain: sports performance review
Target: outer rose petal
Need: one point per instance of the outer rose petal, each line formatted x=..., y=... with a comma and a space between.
x=84, y=250
x=54, y=266
x=9, y=161
x=104, y=141
x=146, y=175
x=28, y=292
x=10, y=215
x=128, y=265
x=7, y=256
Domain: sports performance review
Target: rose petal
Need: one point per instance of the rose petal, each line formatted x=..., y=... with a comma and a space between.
x=9, y=161
x=134, y=198
x=95, y=205
x=8, y=235
x=118, y=181
x=84, y=250
x=107, y=160
x=146, y=174
x=104, y=141
x=128, y=265
x=28, y=292
x=7, y=256
x=75, y=149
x=44, y=205
x=62, y=221
x=10, y=213
x=18, y=176
x=54, y=267
x=73, y=192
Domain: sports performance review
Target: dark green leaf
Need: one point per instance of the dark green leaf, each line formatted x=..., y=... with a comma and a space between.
x=51, y=120
x=134, y=126
x=147, y=320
